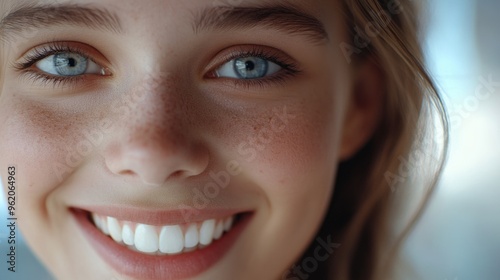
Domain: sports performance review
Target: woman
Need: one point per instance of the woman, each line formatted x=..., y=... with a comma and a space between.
x=195, y=139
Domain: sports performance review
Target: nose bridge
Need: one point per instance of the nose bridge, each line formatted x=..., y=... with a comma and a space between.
x=156, y=104
x=158, y=116
x=154, y=140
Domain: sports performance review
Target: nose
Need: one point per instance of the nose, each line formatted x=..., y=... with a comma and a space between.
x=155, y=141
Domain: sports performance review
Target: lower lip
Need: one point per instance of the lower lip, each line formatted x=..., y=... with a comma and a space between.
x=141, y=266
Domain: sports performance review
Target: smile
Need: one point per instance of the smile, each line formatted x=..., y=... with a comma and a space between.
x=150, y=244
x=161, y=240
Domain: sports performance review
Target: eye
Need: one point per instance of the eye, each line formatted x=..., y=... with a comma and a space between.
x=68, y=64
x=250, y=67
x=253, y=67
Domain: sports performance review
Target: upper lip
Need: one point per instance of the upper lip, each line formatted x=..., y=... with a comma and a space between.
x=159, y=217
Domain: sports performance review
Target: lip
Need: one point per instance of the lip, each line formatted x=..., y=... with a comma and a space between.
x=142, y=266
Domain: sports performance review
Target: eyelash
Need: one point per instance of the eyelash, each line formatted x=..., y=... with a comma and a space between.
x=289, y=68
x=43, y=52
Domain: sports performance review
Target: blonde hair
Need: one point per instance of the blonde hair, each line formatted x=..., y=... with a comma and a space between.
x=362, y=204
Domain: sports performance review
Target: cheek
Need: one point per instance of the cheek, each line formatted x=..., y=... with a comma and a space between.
x=289, y=153
x=288, y=150
x=43, y=145
x=37, y=141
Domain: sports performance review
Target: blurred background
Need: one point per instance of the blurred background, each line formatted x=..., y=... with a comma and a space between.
x=458, y=236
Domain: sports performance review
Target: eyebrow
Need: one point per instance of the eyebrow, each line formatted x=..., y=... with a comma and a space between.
x=29, y=18
x=284, y=18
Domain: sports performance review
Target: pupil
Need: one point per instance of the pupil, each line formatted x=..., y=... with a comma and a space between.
x=249, y=65
x=71, y=62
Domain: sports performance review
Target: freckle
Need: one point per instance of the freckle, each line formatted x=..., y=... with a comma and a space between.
x=163, y=111
x=54, y=129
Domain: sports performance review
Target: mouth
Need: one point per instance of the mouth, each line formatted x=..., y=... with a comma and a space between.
x=166, y=239
x=153, y=245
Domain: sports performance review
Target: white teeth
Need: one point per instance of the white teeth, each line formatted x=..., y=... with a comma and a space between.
x=146, y=238
x=219, y=230
x=228, y=223
x=104, y=226
x=171, y=239
x=168, y=239
x=207, y=232
x=191, y=237
x=97, y=220
x=115, y=230
x=128, y=235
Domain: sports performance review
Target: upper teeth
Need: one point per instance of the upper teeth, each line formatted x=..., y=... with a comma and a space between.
x=168, y=239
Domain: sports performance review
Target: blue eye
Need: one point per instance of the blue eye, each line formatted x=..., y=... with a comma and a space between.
x=68, y=64
x=247, y=68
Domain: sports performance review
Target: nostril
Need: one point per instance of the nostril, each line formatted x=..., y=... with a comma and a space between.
x=176, y=174
x=126, y=172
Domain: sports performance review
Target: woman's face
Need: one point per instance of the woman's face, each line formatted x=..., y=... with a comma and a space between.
x=171, y=117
